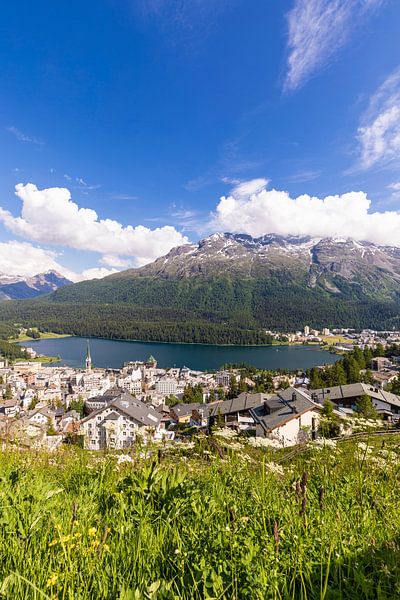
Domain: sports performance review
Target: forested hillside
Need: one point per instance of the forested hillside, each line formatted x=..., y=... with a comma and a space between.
x=228, y=289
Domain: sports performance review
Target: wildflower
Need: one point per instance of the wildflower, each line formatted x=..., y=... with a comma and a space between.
x=52, y=580
x=92, y=531
x=106, y=548
x=66, y=538
x=95, y=544
x=58, y=526
x=274, y=468
x=77, y=535
x=53, y=542
x=177, y=551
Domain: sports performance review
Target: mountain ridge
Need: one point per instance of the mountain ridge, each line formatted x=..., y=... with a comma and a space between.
x=229, y=288
x=17, y=287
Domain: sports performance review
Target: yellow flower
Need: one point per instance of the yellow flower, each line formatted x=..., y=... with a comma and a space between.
x=52, y=580
x=106, y=548
x=58, y=526
x=77, y=534
x=92, y=531
x=95, y=543
x=53, y=542
x=66, y=538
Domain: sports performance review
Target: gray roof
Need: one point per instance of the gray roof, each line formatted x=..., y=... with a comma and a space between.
x=340, y=393
x=242, y=403
x=286, y=405
x=183, y=410
x=131, y=407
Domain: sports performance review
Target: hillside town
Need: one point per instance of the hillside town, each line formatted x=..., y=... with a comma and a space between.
x=45, y=406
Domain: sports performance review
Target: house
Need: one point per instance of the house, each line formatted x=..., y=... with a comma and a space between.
x=236, y=413
x=346, y=396
x=98, y=402
x=194, y=414
x=382, y=379
x=117, y=424
x=290, y=416
x=42, y=416
x=10, y=408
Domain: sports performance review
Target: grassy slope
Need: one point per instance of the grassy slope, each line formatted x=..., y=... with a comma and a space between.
x=78, y=526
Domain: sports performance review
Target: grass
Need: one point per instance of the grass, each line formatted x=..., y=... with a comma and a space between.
x=43, y=336
x=215, y=519
x=334, y=340
x=41, y=359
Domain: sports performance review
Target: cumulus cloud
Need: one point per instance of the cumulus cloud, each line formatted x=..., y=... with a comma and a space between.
x=50, y=216
x=21, y=258
x=25, y=259
x=379, y=131
x=94, y=273
x=272, y=211
x=317, y=29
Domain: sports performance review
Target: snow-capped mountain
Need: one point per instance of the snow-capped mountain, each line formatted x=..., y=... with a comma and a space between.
x=15, y=287
x=234, y=280
x=329, y=263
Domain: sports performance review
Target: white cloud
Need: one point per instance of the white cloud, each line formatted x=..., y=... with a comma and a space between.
x=317, y=29
x=379, y=131
x=273, y=211
x=26, y=260
x=21, y=258
x=394, y=186
x=22, y=137
x=50, y=216
x=95, y=273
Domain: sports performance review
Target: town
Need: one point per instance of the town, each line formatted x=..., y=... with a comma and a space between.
x=44, y=406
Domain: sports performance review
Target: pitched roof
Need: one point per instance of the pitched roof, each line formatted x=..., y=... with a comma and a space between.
x=339, y=393
x=242, y=403
x=286, y=405
x=131, y=407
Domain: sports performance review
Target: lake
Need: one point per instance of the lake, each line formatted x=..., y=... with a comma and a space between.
x=113, y=353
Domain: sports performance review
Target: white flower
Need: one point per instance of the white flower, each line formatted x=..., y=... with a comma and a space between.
x=274, y=468
x=258, y=442
x=124, y=458
x=225, y=433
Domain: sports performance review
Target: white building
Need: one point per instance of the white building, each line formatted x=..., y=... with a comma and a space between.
x=116, y=425
x=166, y=386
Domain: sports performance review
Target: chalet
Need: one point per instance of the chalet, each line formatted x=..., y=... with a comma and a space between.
x=290, y=416
x=346, y=396
x=194, y=414
x=236, y=413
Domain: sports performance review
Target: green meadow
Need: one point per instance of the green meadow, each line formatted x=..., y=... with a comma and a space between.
x=215, y=518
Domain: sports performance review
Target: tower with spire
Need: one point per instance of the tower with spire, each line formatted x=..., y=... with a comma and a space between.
x=88, y=357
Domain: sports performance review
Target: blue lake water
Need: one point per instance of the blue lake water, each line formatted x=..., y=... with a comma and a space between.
x=113, y=353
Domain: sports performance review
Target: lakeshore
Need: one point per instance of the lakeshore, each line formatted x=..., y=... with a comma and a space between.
x=113, y=353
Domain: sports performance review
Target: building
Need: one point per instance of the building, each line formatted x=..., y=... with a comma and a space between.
x=166, y=386
x=380, y=363
x=306, y=330
x=193, y=414
x=223, y=378
x=235, y=413
x=117, y=424
x=289, y=417
x=346, y=396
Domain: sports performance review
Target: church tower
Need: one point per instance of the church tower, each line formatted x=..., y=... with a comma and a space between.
x=88, y=358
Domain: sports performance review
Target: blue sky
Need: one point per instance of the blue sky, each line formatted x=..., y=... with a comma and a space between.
x=151, y=111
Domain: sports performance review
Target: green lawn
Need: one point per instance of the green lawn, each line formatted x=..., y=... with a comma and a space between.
x=208, y=522
x=43, y=336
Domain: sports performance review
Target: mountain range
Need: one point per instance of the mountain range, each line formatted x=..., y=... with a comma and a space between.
x=229, y=288
x=16, y=287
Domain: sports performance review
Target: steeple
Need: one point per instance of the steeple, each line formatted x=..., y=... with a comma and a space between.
x=88, y=358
